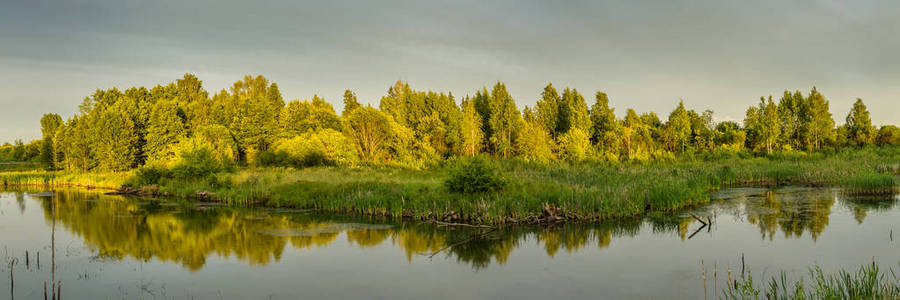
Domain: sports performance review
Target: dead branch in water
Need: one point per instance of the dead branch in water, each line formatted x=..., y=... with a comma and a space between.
x=439, y=223
x=474, y=236
x=697, y=231
x=698, y=218
x=12, y=284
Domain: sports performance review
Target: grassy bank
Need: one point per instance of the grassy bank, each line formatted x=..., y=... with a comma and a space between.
x=532, y=192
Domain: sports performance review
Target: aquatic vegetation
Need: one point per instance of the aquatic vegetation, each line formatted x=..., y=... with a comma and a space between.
x=870, y=183
x=869, y=282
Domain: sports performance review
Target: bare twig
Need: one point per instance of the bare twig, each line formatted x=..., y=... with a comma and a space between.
x=698, y=218
x=12, y=284
x=460, y=224
x=697, y=231
x=475, y=236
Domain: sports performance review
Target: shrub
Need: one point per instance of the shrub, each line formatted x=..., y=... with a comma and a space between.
x=196, y=163
x=147, y=175
x=275, y=159
x=474, y=175
x=320, y=147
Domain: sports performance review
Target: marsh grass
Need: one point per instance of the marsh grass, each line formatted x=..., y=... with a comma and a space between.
x=868, y=282
x=109, y=180
x=870, y=183
x=585, y=191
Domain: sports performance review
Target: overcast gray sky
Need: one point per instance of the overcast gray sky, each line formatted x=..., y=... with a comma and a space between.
x=720, y=55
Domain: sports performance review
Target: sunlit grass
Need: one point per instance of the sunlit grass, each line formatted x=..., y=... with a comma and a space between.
x=588, y=191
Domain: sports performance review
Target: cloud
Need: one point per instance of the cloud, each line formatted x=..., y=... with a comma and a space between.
x=720, y=55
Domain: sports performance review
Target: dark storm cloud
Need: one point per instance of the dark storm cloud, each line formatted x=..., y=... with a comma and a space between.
x=720, y=55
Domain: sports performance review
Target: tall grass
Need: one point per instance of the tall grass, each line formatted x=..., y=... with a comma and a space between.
x=584, y=191
x=870, y=183
x=869, y=282
x=109, y=180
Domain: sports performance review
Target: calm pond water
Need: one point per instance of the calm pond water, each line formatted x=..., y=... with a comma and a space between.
x=114, y=247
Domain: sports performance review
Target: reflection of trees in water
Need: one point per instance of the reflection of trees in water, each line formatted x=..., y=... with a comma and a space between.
x=573, y=237
x=118, y=228
x=859, y=206
x=20, y=201
x=665, y=224
x=794, y=213
x=125, y=228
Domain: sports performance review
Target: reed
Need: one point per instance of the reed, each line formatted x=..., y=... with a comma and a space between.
x=868, y=282
x=583, y=191
x=870, y=183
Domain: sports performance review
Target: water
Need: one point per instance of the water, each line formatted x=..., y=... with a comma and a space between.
x=115, y=247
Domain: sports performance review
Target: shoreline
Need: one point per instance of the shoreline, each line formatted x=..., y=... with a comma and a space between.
x=536, y=194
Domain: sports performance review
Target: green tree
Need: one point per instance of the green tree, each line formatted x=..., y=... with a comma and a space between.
x=50, y=123
x=350, y=102
x=888, y=135
x=114, y=140
x=859, y=125
x=731, y=135
x=573, y=112
x=703, y=130
x=762, y=122
x=575, y=145
x=323, y=146
x=790, y=118
x=164, y=128
x=818, y=122
x=471, y=135
x=370, y=129
x=505, y=120
x=299, y=117
x=606, y=129
x=76, y=144
x=546, y=110
x=254, y=106
x=678, y=128
x=534, y=144
x=219, y=140
x=482, y=100
x=19, y=152
x=631, y=126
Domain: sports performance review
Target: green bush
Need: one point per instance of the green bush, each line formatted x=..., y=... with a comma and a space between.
x=475, y=175
x=315, y=148
x=276, y=159
x=147, y=175
x=199, y=163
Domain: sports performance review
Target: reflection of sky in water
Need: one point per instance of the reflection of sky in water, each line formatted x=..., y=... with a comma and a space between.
x=109, y=246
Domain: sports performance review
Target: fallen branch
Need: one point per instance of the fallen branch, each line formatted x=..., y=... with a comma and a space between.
x=697, y=231
x=475, y=236
x=460, y=224
x=698, y=218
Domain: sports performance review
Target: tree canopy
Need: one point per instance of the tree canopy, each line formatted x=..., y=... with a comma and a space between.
x=115, y=130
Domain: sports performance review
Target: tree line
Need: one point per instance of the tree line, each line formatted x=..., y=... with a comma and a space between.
x=250, y=123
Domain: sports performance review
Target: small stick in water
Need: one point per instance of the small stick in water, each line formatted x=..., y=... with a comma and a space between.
x=12, y=263
x=45, y=290
x=26, y=259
